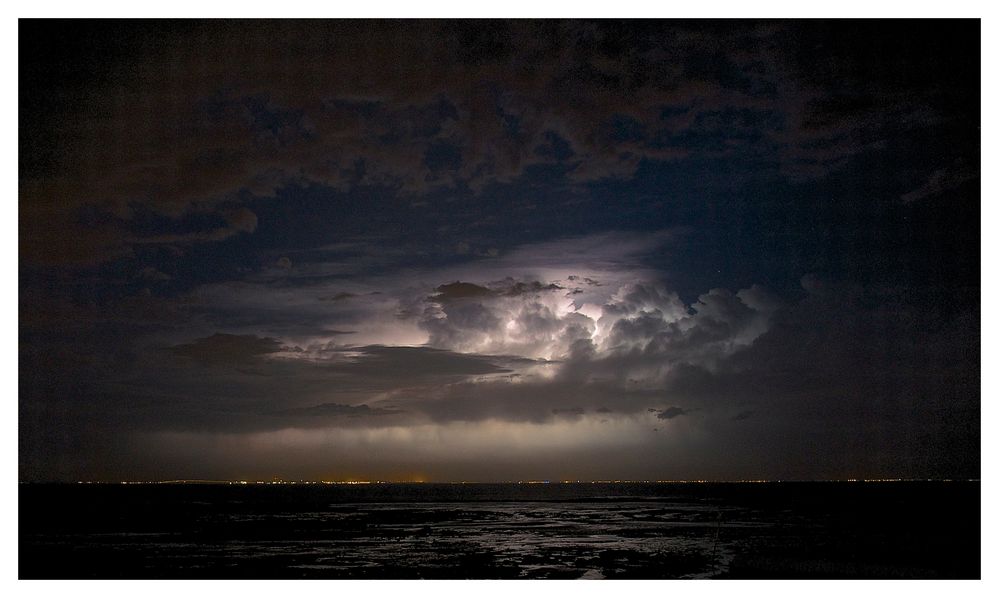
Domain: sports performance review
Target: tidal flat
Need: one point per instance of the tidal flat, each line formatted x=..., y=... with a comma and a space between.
x=775, y=530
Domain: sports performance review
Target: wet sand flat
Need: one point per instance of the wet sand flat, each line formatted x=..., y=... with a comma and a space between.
x=502, y=531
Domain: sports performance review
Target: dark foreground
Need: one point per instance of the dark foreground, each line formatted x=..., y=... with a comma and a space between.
x=489, y=531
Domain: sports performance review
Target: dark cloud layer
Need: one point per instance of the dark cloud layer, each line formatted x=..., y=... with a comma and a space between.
x=227, y=348
x=439, y=108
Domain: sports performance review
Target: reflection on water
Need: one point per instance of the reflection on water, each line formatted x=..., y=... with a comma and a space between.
x=648, y=531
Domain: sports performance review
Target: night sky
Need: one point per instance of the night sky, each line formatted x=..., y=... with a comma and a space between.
x=499, y=250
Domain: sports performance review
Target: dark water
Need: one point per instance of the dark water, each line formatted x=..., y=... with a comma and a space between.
x=490, y=531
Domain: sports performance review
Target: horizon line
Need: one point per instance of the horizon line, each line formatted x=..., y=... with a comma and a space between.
x=280, y=482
